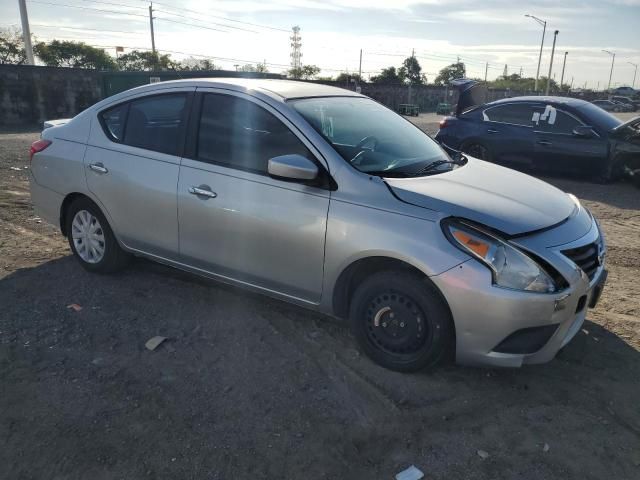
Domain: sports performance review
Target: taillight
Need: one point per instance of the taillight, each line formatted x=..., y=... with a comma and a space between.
x=443, y=123
x=38, y=146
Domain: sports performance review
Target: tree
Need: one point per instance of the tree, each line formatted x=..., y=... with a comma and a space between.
x=410, y=70
x=12, y=47
x=73, y=54
x=388, y=76
x=258, y=67
x=451, y=72
x=347, y=77
x=138, y=60
x=306, y=72
x=196, y=64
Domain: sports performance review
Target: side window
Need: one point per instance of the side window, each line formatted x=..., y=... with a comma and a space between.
x=513, y=113
x=113, y=121
x=240, y=134
x=156, y=122
x=548, y=119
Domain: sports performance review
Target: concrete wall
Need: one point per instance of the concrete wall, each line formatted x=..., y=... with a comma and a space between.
x=30, y=95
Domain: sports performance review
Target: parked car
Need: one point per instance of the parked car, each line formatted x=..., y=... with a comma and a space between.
x=634, y=104
x=609, y=106
x=627, y=91
x=542, y=134
x=624, y=107
x=324, y=198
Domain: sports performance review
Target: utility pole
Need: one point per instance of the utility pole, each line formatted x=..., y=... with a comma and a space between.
x=360, y=67
x=633, y=85
x=153, y=37
x=613, y=59
x=564, y=62
x=544, y=29
x=413, y=54
x=486, y=71
x=520, y=72
x=571, y=83
x=553, y=51
x=26, y=32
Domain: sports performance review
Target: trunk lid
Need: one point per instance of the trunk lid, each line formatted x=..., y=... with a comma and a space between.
x=471, y=93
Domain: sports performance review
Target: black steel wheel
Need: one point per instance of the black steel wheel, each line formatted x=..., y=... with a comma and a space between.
x=401, y=321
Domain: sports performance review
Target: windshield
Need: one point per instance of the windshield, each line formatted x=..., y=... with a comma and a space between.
x=598, y=117
x=372, y=138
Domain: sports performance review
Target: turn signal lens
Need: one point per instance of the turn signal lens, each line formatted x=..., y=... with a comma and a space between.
x=477, y=246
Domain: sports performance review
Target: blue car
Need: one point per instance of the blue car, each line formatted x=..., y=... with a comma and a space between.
x=542, y=134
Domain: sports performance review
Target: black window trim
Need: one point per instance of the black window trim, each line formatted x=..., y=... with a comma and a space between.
x=189, y=94
x=324, y=181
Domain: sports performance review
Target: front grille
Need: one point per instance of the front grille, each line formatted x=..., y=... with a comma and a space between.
x=585, y=257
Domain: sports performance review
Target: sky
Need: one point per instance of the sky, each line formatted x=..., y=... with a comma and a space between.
x=235, y=32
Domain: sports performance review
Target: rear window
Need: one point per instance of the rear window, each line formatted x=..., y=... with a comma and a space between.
x=113, y=121
x=154, y=123
x=513, y=113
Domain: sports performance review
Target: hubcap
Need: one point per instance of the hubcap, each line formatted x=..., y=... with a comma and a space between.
x=396, y=325
x=88, y=237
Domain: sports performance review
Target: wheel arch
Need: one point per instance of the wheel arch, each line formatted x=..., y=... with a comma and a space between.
x=352, y=275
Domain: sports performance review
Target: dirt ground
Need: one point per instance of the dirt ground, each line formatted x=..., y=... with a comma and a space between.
x=248, y=387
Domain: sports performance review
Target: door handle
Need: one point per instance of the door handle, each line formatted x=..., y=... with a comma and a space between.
x=202, y=191
x=545, y=143
x=492, y=130
x=98, y=167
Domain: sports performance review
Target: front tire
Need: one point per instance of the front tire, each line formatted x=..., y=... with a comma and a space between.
x=91, y=239
x=401, y=321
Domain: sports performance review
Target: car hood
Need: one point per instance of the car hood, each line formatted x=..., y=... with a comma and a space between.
x=633, y=123
x=498, y=197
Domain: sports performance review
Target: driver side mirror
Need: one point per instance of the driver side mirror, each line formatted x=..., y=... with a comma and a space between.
x=292, y=167
x=584, y=131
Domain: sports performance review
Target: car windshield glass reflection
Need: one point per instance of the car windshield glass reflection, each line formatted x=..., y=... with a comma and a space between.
x=372, y=138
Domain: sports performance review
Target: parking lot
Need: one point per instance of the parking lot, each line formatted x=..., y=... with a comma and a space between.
x=249, y=387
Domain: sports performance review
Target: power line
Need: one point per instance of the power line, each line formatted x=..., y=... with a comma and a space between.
x=88, y=8
x=191, y=18
x=116, y=4
x=222, y=18
x=191, y=24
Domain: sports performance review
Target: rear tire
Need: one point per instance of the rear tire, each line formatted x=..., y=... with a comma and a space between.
x=477, y=150
x=91, y=239
x=401, y=321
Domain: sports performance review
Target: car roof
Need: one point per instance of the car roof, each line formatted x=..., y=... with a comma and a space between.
x=565, y=101
x=279, y=89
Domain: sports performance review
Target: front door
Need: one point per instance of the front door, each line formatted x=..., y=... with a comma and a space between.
x=558, y=149
x=132, y=164
x=235, y=220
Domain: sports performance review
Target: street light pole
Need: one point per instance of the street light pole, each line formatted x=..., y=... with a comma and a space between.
x=633, y=85
x=544, y=29
x=613, y=59
x=553, y=51
x=563, y=65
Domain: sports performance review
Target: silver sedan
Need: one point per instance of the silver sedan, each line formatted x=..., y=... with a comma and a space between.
x=324, y=198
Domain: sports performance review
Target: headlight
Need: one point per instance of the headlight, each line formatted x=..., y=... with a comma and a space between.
x=510, y=267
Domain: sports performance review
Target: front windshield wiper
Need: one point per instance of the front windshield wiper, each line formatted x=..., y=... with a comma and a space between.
x=388, y=173
x=437, y=163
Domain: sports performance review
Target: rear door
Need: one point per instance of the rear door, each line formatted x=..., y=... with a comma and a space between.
x=558, y=149
x=508, y=134
x=235, y=220
x=132, y=165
